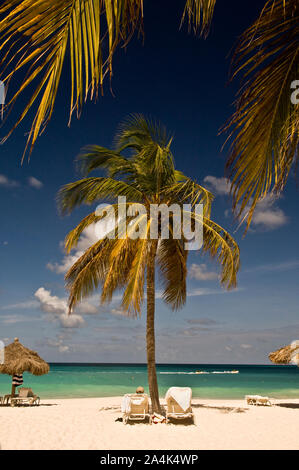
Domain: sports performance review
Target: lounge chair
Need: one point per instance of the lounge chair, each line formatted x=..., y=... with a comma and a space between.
x=258, y=400
x=25, y=395
x=135, y=407
x=178, y=403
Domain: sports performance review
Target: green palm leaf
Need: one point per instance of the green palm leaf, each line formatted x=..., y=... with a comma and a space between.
x=36, y=35
x=265, y=127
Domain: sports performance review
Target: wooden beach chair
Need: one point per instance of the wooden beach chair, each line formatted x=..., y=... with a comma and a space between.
x=135, y=407
x=178, y=403
x=25, y=395
x=258, y=400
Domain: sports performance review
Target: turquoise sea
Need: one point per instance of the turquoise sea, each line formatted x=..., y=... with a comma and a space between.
x=217, y=381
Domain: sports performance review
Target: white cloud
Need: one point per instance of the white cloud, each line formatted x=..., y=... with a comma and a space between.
x=200, y=272
x=8, y=183
x=246, y=346
x=87, y=239
x=58, y=308
x=51, y=303
x=219, y=186
x=266, y=216
x=71, y=321
x=35, y=183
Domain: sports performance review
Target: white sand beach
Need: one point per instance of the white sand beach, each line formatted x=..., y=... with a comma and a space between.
x=89, y=423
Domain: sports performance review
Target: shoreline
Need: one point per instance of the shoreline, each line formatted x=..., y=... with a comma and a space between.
x=90, y=423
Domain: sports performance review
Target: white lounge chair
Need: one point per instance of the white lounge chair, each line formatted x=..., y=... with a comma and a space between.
x=135, y=407
x=178, y=403
x=258, y=400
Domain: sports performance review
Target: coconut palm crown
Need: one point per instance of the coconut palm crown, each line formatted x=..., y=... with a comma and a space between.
x=146, y=176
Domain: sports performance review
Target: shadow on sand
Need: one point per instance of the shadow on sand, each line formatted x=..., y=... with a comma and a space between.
x=288, y=405
x=223, y=409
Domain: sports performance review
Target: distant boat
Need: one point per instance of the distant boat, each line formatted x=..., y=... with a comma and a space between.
x=200, y=372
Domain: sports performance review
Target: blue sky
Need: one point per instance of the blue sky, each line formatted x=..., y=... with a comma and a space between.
x=181, y=80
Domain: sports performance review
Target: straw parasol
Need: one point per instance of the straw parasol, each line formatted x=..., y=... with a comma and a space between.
x=18, y=359
x=286, y=355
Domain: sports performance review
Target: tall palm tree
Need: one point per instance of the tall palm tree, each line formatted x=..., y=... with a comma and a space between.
x=147, y=176
x=36, y=37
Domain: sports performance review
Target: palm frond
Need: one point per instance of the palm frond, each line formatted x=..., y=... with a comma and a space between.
x=189, y=192
x=221, y=245
x=88, y=272
x=265, y=125
x=199, y=14
x=90, y=190
x=94, y=157
x=172, y=261
x=134, y=293
x=44, y=30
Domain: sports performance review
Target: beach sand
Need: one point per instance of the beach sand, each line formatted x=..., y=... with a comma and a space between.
x=89, y=423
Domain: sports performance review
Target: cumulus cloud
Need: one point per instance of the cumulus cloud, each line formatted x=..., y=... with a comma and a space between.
x=71, y=321
x=57, y=307
x=200, y=272
x=35, y=183
x=267, y=215
x=87, y=239
x=219, y=186
x=8, y=183
x=50, y=303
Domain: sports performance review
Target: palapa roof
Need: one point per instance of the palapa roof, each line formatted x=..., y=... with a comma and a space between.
x=286, y=355
x=18, y=359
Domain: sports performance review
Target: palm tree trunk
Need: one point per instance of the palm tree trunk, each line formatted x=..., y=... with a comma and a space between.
x=150, y=332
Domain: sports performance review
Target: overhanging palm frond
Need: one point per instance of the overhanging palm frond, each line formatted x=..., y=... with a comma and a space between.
x=35, y=36
x=44, y=29
x=265, y=126
x=200, y=14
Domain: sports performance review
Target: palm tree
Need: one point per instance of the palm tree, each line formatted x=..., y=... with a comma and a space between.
x=147, y=176
x=36, y=36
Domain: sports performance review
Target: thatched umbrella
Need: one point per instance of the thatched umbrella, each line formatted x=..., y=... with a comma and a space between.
x=286, y=355
x=18, y=359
